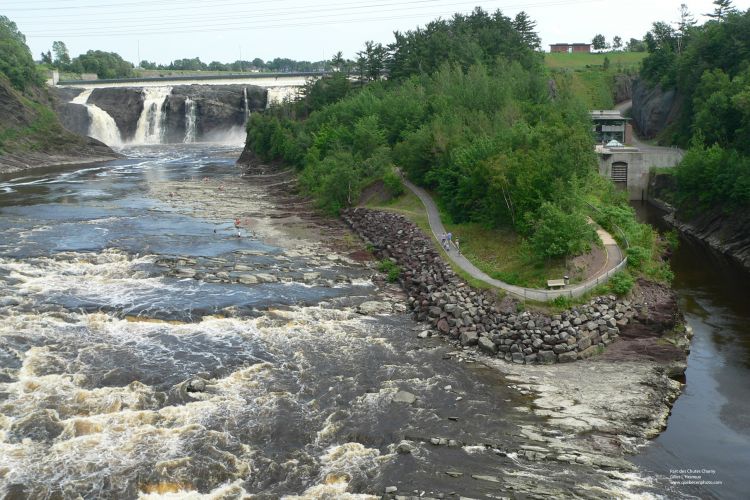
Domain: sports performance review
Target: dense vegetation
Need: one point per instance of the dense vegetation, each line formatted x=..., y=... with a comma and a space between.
x=27, y=123
x=468, y=111
x=709, y=65
x=16, y=63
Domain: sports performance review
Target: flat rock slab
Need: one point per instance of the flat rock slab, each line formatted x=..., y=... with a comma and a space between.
x=404, y=397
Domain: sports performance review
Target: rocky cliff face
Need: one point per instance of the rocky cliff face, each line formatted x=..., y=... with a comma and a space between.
x=727, y=233
x=654, y=108
x=124, y=104
x=216, y=109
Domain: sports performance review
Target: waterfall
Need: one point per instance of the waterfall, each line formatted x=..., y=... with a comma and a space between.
x=102, y=126
x=247, y=107
x=150, y=128
x=190, y=118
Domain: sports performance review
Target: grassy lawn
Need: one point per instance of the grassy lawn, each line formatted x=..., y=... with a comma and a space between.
x=497, y=252
x=624, y=60
x=500, y=253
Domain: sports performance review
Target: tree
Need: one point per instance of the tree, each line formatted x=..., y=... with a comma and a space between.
x=104, y=64
x=16, y=62
x=635, y=45
x=722, y=9
x=62, y=57
x=47, y=57
x=338, y=61
x=617, y=43
x=147, y=65
x=526, y=28
x=371, y=61
x=599, y=42
x=686, y=22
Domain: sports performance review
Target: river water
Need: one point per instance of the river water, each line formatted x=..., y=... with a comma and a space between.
x=709, y=428
x=124, y=376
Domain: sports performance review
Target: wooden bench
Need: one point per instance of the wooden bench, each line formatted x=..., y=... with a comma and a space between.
x=555, y=283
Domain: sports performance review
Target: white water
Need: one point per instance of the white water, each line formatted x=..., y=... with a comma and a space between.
x=150, y=128
x=247, y=107
x=102, y=126
x=190, y=120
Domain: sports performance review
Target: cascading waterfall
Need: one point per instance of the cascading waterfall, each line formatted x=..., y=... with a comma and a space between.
x=190, y=120
x=244, y=100
x=103, y=126
x=150, y=128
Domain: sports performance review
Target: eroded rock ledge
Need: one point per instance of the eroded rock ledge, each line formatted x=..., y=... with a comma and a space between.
x=439, y=297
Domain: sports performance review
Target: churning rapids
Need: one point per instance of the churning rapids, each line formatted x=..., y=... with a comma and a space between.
x=135, y=365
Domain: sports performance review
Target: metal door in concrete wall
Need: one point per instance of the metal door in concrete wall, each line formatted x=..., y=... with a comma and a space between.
x=620, y=174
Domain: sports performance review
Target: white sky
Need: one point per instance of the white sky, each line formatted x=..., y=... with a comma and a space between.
x=164, y=30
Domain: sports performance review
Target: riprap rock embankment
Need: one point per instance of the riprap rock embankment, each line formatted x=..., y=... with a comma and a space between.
x=438, y=296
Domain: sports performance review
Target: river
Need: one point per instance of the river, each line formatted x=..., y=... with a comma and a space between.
x=709, y=428
x=133, y=364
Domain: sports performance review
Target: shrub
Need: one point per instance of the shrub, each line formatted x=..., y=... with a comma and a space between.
x=621, y=283
x=393, y=184
x=392, y=271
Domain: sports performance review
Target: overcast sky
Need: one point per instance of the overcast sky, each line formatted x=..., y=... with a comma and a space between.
x=164, y=30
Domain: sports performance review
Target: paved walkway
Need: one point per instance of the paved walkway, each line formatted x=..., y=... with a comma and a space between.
x=614, y=258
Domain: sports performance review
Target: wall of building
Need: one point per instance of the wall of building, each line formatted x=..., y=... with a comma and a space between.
x=639, y=165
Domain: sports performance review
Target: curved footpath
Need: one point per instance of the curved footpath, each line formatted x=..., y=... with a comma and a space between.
x=614, y=259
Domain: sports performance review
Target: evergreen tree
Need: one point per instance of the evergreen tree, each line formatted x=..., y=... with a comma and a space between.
x=722, y=9
x=526, y=28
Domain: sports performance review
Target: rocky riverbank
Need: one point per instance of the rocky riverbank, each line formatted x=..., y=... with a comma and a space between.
x=439, y=297
x=728, y=234
x=599, y=410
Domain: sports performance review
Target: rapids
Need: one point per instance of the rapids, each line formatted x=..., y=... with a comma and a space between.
x=134, y=365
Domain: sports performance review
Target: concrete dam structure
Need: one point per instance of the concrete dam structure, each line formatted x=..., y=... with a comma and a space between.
x=121, y=115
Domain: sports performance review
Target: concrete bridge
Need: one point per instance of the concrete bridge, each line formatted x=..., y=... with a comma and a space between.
x=279, y=85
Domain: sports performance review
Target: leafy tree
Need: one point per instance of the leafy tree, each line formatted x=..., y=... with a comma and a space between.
x=722, y=9
x=62, y=57
x=147, y=65
x=16, y=62
x=104, y=64
x=46, y=57
x=526, y=27
x=635, y=45
x=558, y=232
x=599, y=42
x=617, y=43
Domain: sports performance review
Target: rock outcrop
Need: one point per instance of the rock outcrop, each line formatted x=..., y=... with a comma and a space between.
x=654, y=108
x=439, y=297
x=217, y=109
x=35, y=138
x=726, y=233
x=123, y=104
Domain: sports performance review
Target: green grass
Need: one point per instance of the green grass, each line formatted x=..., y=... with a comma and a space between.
x=500, y=253
x=624, y=60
